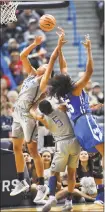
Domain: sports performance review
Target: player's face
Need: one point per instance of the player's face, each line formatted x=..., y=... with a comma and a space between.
x=46, y=157
x=41, y=70
x=83, y=156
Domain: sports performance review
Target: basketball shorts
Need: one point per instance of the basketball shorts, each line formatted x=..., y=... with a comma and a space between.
x=24, y=126
x=88, y=133
x=67, y=153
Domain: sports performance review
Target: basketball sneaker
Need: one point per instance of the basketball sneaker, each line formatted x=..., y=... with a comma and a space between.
x=68, y=206
x=99, y=199
x=42, y=192
x=51, y=202
x=21, y=186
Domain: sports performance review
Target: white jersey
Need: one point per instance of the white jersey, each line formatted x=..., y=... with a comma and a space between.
x=60, y=125
x=30, y=92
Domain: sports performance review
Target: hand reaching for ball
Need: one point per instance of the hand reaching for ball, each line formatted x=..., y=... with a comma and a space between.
x=61, y=40
x=38, y=40
x=87, y=43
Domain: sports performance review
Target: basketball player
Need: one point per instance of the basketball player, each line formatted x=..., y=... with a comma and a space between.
x=67, y=149
x=86, y=128
x=24, y=126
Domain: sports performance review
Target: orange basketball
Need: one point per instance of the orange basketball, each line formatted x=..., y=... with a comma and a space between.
x=47, y=22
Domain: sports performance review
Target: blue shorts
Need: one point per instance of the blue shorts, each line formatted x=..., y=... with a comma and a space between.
x=88, y=132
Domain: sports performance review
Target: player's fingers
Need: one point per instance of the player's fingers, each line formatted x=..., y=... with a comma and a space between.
x=58, y=33
x=65, y=41
x=61, y=29
x=83, y=43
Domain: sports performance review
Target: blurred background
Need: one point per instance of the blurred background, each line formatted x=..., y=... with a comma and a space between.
x=79, y=19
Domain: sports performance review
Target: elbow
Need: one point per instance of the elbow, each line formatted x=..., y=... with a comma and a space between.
x=22, y=55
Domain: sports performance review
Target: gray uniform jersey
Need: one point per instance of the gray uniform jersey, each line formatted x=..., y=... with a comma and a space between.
x=29, y=93
x=59, y=125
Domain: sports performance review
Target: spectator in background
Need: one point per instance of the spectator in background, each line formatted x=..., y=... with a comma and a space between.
x=25, y=16
x=12, y=96
x=13, y=31
x=97, y=92
x=4, y=87
x=3, y=99
x=8, y=47
x=33, y=29
x=16, y=67
x=6, y=120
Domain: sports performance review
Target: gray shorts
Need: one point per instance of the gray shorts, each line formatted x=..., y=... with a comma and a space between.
x=67, y=153
x=24, y=127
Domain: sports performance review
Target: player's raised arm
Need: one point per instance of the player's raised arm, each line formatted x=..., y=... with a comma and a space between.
x=80, y=84
x=62, y=60
x=54, y=55
x=24, y=55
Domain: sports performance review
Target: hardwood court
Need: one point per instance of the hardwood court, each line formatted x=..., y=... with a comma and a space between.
x=76, y=208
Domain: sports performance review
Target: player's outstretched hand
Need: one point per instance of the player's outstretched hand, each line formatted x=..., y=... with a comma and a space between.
x=61, y=37
x=87, y=43
x=38, y=40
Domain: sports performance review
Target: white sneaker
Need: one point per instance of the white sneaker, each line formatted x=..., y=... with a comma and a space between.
x=41, y=193
x=68, y=206
x=20, y=187
x=51, y=202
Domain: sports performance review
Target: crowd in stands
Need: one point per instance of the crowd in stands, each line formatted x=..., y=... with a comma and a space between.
x=15, y=37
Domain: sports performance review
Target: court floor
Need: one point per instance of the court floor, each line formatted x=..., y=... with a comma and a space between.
x=76, y=208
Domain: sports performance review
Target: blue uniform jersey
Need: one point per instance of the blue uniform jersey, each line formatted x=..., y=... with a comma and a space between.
x=86, y=128
x=77, y=105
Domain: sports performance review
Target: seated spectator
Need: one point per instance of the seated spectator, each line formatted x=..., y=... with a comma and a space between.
x=16, y=67
x=6, y=120
x=4, y=86
x=97, y=92
x=25, y=16
x=8, y=47
x=13, y=31
x=30, y=166
x=47, y=158
x=12, y=96
x=3, y=100
x=33, y=29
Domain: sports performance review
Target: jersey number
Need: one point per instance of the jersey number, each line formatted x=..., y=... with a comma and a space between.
x=57, y=121
x=70, y=107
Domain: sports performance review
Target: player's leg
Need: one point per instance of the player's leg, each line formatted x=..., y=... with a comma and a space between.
x=100, y=148
x=74, y=149
x=42, y=189
x=52, y=188
x=99, y=180
x=71, y=186
x=30, y=133
x=19, y=159
x=58, y=165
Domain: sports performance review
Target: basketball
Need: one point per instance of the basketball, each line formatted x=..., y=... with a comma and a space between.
x=47, y=22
